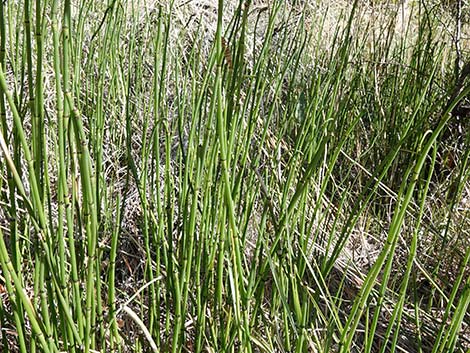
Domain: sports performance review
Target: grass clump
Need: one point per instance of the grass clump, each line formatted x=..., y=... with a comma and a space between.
x=233, y=176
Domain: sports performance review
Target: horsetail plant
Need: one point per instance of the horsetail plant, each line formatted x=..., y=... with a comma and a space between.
x=231, y=176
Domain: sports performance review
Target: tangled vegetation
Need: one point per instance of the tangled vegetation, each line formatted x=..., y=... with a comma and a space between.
x=240, y=176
